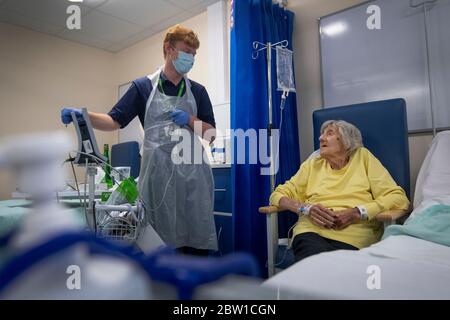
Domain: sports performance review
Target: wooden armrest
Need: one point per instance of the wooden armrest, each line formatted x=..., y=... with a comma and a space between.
x=391, y=216
x=269, y=209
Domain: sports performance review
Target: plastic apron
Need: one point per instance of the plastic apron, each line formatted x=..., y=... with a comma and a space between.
x=185, y=216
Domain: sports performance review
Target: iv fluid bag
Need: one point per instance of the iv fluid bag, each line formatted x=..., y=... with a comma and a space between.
x=285, y=74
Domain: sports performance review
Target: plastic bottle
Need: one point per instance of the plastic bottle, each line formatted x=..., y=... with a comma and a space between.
x=128, y=189
x=126, y=192
x=108, y=179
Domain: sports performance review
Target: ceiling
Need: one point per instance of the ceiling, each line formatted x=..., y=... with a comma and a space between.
x=111, y=25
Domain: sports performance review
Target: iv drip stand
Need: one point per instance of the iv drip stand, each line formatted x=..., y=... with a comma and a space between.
x=272, y=219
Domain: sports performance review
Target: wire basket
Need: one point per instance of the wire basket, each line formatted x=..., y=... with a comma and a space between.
x=121, y=226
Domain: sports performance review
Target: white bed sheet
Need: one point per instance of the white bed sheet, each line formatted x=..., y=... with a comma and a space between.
x=410, y=268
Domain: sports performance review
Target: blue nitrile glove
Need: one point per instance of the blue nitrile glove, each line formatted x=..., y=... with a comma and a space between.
x=180, y=117
x=66, y=116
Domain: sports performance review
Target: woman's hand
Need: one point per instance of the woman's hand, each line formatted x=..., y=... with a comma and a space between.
x=318, y=214
x=322, y=217
x=347, y=217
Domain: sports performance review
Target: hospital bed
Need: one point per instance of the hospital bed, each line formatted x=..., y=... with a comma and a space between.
x=411, y=262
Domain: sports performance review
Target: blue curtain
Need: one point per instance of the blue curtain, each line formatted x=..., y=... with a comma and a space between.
x=259, y=20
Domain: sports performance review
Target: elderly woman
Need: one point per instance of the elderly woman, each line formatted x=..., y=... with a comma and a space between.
x=338, y=193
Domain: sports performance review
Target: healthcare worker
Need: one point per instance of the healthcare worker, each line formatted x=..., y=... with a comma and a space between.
x=178, y=196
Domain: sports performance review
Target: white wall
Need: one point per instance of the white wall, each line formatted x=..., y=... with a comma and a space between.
x=219, y=73
x=39, y=74
x=146, y=56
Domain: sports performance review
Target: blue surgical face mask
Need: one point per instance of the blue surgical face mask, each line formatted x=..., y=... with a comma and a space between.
x=184, y=62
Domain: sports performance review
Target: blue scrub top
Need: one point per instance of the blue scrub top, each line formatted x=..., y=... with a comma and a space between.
x=133, y=102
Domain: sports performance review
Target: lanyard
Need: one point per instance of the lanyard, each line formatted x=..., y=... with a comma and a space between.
x=180, y=91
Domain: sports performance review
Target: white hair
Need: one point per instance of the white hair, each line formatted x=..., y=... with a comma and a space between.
x=351, y=136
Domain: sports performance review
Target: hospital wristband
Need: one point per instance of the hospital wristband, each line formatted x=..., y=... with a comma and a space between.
x=363, y=213
x=304, y=209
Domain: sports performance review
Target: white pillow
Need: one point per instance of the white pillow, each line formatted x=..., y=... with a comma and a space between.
x=433, y=179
